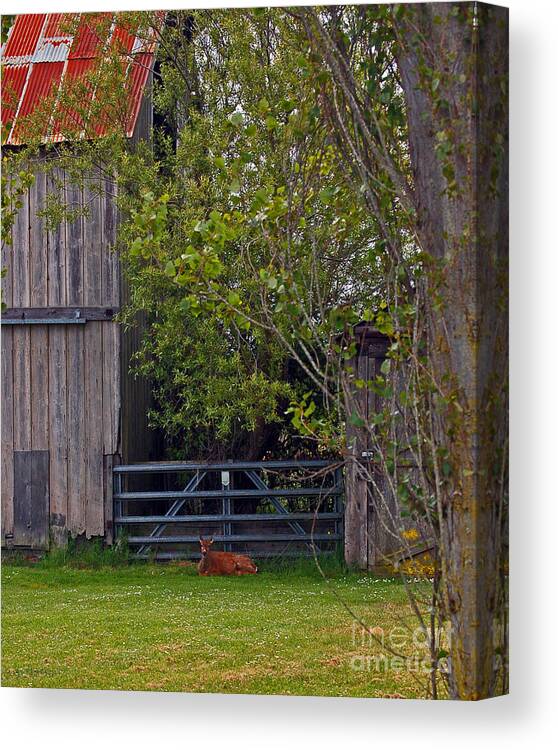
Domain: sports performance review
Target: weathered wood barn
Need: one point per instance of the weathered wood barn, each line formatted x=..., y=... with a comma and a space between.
x=70, y=408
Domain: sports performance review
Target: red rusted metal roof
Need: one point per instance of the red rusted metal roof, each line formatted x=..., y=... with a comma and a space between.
x=47, y=53
x=24, y=35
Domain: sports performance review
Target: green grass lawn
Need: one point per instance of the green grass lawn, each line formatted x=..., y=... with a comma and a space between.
x=162, y=627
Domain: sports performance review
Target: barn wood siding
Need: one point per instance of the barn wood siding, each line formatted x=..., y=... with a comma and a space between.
x=7, y=402
x=58, y=432
x=38, y=297
x=7, y=263
x=61, y=384
x=7, y=448
x=21, y=337
x=76, y=430
x=57, y=284
x=110, y=294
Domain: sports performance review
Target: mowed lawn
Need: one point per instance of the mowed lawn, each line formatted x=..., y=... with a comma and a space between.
x=162, y=627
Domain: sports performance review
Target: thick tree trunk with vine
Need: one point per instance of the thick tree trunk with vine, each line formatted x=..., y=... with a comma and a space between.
x=453, y=65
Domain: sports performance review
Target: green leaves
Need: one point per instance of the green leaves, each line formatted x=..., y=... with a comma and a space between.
x=308, y=419
x=328, y=194
x=342, y=317
x=265, y=240
x=149, y=225
x=220, y=162
x=263, y=106
x=385, y=367
x=233, y=299
x=234, y=187
x=269, y=279
x=356, y=420
x=287, y=105
x=236, y=119
x=270, y=122
x=251, y=130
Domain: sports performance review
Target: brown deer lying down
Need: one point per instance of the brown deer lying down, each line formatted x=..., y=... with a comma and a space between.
x=223, y=563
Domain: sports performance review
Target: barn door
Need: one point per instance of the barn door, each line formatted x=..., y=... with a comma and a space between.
x=31, y=499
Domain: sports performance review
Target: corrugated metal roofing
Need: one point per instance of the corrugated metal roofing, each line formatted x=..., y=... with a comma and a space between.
x=47, y=52
x=13, y=81
x=24, y=35
x=57, y=24
x=122, y=40
x=43, y=79
x=138, y=79
x=52, y=51
x=69, y=120
x=91, y=36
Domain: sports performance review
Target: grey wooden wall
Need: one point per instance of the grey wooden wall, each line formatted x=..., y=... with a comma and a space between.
x=62, y=384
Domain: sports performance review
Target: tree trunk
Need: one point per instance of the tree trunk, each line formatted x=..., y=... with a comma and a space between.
x=453, y=65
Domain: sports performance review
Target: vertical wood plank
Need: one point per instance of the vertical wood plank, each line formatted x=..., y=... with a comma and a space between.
x=7, y=422
x=7, y=264
x=39, y=386
x=94, y=489
x=38, y=255
x=75, y=366
x=20, y=256
x=38, y=297
x=22, y=387
x=57, y=373
x=31, y=490
x=108, y=385
x=92, y=241
x=111, y=386
x=110, y=279
x=76, y=430
x=57, y=259
x=21, y=335
x=7, y=279
x=74, y=246
x=110, y=270
x=58, y=426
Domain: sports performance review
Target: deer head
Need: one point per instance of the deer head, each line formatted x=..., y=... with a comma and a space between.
x=205, y=544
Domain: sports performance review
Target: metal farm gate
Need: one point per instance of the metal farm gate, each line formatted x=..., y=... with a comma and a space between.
x=267, y=509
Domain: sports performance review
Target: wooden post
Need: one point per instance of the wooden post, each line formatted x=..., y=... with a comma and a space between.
x=361, y=525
